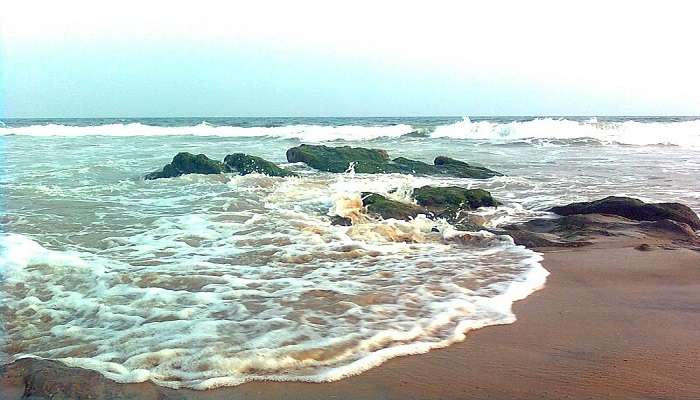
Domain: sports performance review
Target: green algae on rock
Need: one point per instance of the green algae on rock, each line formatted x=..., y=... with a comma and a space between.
x=453, y=196
x=246, y=164
x=187, y=163
x=376, y=161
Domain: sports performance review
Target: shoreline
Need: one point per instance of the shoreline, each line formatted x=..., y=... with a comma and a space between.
x=611, y=322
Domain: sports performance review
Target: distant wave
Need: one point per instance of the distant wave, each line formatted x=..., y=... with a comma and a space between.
x=310, y=133
x=537, y=131
x=685, y=133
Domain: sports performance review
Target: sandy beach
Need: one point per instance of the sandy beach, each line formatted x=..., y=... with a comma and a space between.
x=612, y=322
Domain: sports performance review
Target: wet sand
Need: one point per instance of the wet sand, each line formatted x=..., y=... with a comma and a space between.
x=612, y=323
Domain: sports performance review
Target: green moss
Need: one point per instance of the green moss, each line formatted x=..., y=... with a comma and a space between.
x=460, y=169
x=453, y=197
x=375, y=161
x=338, y=159
x=245, y=164
x=386, y=208
x=187, y=163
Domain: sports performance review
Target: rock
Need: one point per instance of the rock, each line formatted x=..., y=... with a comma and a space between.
x=245, y=164
x=644, y=247
x=187, y=163
x=450, y=203
x=453, y=197
x=633, y=209
x=46, y=379
x=460, y=169
x=341, y=221
x=375, y=161
x=523, y=237
x=338, y=159
x=678, y=229
x=379, y=205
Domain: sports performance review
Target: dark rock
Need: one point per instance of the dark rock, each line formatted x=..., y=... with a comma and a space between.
x=342, y=221
x=644, y=247
x=375, y=161
x=678, y=229
x=187, y=163
x=460, y=169
x=530, y=239
x=245, y=164
x=453, y=197
x=450, y=203
x=46, y=379
x=565, y=231
x=338, y=159
x=379, y=205
x=633, y=209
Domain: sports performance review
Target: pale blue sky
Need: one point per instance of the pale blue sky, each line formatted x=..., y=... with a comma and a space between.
x=314, y=59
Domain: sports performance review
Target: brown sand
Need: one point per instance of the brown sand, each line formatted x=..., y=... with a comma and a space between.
x=612, y=323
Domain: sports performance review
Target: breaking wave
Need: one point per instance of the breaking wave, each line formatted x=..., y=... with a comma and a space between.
x=309, y=133
x=536, y=131
x=683, y=133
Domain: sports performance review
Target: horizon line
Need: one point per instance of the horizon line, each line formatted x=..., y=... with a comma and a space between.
x=373, y=116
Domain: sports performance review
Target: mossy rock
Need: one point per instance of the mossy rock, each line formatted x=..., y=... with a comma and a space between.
x=338, y=159
x=375, y=161
x=187, y=163
x=453, y=197
x=245, y=164
x=460, y=169
x=379, y=205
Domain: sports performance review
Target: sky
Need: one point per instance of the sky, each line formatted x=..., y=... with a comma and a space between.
x=360, y=58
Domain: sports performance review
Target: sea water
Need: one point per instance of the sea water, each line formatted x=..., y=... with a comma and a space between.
x=203, y=281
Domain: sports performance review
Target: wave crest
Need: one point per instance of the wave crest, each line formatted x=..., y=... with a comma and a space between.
x=684, y=133
x=308, y=133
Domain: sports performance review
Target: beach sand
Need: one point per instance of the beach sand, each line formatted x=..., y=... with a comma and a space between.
x=612, y=322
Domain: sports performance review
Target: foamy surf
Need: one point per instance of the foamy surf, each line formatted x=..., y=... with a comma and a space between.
x=266, y=292
x=308, y=133
x=643, y=132
x=630, y=132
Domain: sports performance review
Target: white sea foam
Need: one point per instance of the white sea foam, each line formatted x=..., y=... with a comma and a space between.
x=308, y=133
x=260, y=286
x=630, y=132
x=686, y=133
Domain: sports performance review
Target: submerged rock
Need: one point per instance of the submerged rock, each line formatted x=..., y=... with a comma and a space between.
x=379, y=205
x=633, y=209
x=451, y=203
x=246, y=164
x=376, y=161
x=340, y=221
x=453, y=197
x=460, y=169
x=187, y=163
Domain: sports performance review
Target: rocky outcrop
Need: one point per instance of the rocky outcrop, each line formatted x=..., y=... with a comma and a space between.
x=584, y=229
x=378, y=205
x=460, y=169
x=245, y=164
x=453, y=197
x=451, y=203
x=338, y=159
x=187, y=163
x=376, y=161
x=634, y=209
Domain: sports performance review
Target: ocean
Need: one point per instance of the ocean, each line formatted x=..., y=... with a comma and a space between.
x=204, y=281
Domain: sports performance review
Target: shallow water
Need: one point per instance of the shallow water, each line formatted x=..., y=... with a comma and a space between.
x=203, y=281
